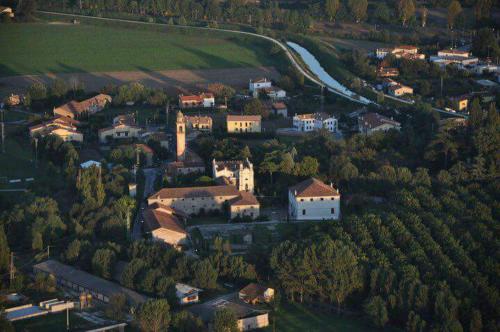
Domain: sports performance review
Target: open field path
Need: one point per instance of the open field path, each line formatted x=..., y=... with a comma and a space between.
x=175, y=81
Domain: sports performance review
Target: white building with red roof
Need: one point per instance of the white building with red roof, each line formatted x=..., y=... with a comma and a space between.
x=315, y=121
x=261, y=83
x=204, y=100
x=313, y=200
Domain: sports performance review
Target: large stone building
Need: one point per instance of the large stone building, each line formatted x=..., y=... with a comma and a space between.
x=64, y=127
x=196, y=200
x=75, y=109
x=204, y=100
x=369, y=123
x=239, y=173
x=243, y=123
x=313, y=200
x=165, y=224
x=199, y=122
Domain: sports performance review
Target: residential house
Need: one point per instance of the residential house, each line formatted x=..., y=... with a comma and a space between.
x=13, y=100
x=164, y=224
x=243, y=123
x=274, y=92
x=255, y=293
x=314, y=122
x=404, y=51
x=195, y=200
x=369, y=123
x=452, y=56
x=198, y=122
x=247, y=317
x=399, y=90
x=312, y=199
x=187, y=294
x=256, y=85
x=124, y=126
x=279, y=108
x=6, y=11
x=64, y=127
x=75, y=109
x=205, y=100
x=387, y=72
x=238, y=173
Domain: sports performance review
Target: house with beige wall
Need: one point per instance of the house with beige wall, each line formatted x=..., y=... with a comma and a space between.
x=123, y=127
x=164, y=224
x=199, y=122
x=64, y=127
x=194, y=200
x=75, y=109
x=244, y=123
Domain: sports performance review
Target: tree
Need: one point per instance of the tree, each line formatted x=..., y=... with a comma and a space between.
x=382, y=12
x=476, y=115
x=116, y=308
x=309, y=166
x=37, y=91
x=454, y=9
x=443, y=145
x=245, y=153
x=255, y=107
x=103, y=262
x=358, y=9
x=376, y=309
x=482, y=9
x=184, y=321
x=4, y=251
x=205, y=275
x=476, y=322
x=406, y=10
x=331, y=9
x=153, y=316
x=59, y=88
x=225, y=321
x=423, y=16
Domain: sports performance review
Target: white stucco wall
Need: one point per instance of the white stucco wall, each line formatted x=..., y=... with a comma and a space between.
x=316, y=208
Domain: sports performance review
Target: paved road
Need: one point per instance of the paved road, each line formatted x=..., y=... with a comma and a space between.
x=149, y=181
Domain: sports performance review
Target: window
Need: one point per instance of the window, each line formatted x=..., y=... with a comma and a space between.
x=312, y=199
x=301, y=199
x=333, y=198
x=332, y=210
x=322, y=199
x=304, y=212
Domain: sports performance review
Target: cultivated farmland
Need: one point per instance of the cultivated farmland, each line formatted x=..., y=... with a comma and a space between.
x=40, y=48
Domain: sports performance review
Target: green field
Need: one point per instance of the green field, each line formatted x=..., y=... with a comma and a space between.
x=38, y=48
x=298, y=318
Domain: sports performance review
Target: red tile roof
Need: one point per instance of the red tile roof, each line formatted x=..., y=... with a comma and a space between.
x=244, y=118
x=245, y=198
x=313, y=188
x=192, y=192
x=159, y=216
x=374, y=120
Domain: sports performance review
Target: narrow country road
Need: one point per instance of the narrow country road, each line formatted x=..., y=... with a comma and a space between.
x=149, y=181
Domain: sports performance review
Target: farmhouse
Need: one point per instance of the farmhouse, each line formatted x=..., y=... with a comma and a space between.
x=61, y=126
x=187, y=294
x=399, y=90
x=164, y=224
x=274, y=92
x=243, y=123
x=194, y=200
x=255, y=293
x=404, y=51
x=371, y=122
x=238, y=173
x=75, y=109
x=6, y=11
x=82, y=282
x=256, y=85
x=248, y=318
x=279, y=108
x=13, y=100
x=314, y=122
x=198, y=122
x=205, y=100
x=313, y=200
x=123, y=127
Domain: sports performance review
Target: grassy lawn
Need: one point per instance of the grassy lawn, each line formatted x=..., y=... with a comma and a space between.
x=52, y=323
x=89, y=48
x=298, y=318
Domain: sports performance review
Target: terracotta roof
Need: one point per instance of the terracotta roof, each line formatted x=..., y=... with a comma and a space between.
x=76, y=107
x=406, y=47
x=118, y=125
x=144, y=148
x=317, y=116
x=455, y=51
x=374, y=120
x=245, y=198
x=261, y=80
x=313, y=188
x=244, y=118
x=197, y=98
x=159, y=216
x=192, y=192
x=199, y=119
x=253, y=290
x=232, y=165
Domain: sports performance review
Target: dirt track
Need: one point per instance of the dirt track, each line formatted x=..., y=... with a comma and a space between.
x=174, y=81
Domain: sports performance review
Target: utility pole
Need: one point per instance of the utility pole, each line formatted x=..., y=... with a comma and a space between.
x=11, y=268
x=36, y=152
x=3, y=136
x=67, y=316
x=48, y=252
x=166, y=111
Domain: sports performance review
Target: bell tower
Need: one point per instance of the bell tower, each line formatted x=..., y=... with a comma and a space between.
x=180, y=125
